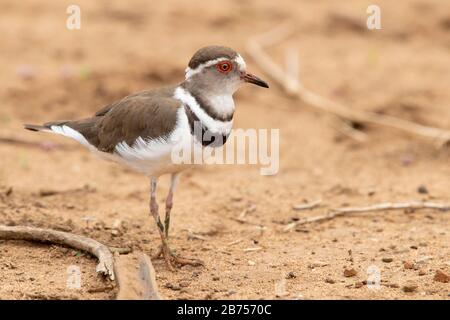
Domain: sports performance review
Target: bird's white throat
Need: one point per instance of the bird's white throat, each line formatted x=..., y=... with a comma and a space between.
x=215, y=126
x=222, y=104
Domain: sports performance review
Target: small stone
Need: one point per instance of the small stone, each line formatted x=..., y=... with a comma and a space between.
x=359, y=285
x=387, y=260
x=410, y=287
x=422, y=272
x=215, y=278
x=184, y=283
x=9, y=191
x=47, y=192
x=422, y=189
x=251, y=263
x=329, y=280
x=408, y=265
x=172, y=286
x=441, y=276
x=291, y=275
x=231, y=292
x=117, y=224
x=349, y=273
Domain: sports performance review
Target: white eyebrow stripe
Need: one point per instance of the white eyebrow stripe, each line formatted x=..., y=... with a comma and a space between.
x=241, y=63
x=190, y=72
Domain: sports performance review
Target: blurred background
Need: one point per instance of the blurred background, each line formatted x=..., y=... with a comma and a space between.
x=49, y=72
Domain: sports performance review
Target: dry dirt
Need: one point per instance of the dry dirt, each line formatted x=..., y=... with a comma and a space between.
x=48, y=72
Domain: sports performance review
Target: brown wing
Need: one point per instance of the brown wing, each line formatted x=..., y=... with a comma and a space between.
x=147, y=114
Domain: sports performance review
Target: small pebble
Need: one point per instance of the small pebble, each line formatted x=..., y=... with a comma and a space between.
x=441, y=276
x=387, y=260
x=422, y=272
x=291, y=275
x=251, y=263
x=422, y=189
x=172, y=286
x=408, y=265
x=410, y=287
x=349, y=273
x=329, y=280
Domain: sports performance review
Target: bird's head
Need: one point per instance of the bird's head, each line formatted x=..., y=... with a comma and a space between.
x=220, y=70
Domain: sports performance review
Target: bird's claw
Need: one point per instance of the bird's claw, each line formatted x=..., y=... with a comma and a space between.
x=172, y=260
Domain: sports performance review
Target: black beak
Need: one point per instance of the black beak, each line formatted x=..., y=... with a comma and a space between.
x=248, y=77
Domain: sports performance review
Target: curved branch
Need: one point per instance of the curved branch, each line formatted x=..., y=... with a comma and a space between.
x=102, y=252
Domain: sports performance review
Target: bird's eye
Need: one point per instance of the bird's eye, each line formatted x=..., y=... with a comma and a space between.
x=224, y=66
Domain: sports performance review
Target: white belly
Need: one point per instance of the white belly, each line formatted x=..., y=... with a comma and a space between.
x=154, y=157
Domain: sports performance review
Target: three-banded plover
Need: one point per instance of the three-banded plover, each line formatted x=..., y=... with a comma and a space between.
x=141, y=130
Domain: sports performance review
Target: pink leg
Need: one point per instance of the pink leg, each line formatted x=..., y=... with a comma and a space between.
x=164, y=250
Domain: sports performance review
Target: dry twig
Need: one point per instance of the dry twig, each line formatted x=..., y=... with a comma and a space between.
x=232, y=243
x=307, y=206
x=106, y=261
x=414, y=205
x=252, y=249
x=293, y=87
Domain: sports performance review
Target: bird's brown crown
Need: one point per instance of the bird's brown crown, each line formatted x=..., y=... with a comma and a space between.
x=210, y=53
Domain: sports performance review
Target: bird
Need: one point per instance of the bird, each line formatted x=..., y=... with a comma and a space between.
x=141, y=130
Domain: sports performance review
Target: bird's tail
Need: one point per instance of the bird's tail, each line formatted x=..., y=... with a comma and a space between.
x=79, y=130
x=45, y=127
x=35, y=127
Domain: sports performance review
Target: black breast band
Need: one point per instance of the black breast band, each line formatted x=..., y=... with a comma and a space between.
x=202, y=133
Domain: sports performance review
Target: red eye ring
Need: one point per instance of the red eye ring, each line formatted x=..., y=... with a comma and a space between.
x=224, y=66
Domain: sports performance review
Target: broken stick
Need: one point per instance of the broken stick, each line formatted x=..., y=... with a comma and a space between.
x=136, y=282
x=105, y=257
x=307, y=206
x=333, y=213
x=292, y=86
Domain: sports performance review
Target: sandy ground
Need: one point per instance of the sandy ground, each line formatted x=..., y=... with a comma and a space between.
x=123, y=47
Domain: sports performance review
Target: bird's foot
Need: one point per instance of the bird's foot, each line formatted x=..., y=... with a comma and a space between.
x=172, y=260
